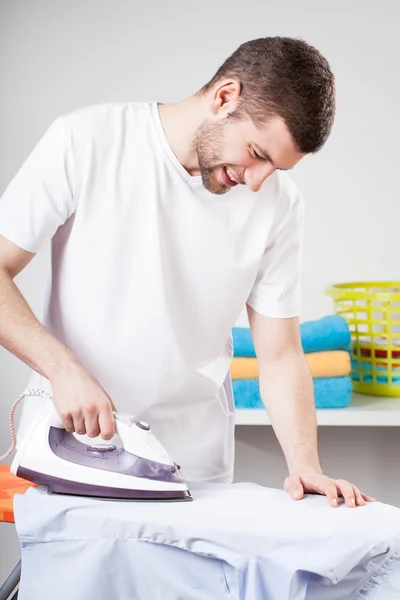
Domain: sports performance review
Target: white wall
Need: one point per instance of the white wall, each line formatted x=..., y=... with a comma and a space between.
x=58, y=56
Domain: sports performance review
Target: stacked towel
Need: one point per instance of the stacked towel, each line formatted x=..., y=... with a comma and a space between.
x=328, y=333
x=326, y=344
x=335, y=363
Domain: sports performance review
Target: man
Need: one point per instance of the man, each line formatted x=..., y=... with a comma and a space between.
x=153, y=260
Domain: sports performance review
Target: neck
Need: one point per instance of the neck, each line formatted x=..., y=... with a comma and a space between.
x=180, y=122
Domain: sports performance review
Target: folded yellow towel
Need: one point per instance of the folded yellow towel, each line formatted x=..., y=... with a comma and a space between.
x=335, y=363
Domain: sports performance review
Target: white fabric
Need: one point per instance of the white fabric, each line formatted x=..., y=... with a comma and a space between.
x=150, y=271
x=240, y=541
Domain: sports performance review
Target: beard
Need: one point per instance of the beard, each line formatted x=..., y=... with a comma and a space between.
x=208, y=144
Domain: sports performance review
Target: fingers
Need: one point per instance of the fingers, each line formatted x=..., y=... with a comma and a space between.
x=346, y=490
x=320, y=484
x=352, y=495
x=368, y=498
x=294, y=487
x=331, y=493
x=297, y=485
x=107, y=422
x=79, y=422
x=364, y=497
x=92, y=420
x=91, y=417
x=358, y=497
x=67, y=422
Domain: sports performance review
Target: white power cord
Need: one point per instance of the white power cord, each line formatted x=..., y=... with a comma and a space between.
x=27, y=392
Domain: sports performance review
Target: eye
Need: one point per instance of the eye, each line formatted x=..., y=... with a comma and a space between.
x=257, y=156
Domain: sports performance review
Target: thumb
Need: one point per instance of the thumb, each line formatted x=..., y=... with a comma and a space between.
x=294, y=487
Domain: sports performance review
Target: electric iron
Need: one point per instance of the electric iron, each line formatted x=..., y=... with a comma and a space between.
x=48, y=455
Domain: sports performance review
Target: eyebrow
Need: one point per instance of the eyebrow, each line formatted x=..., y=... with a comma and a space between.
x=267, y=156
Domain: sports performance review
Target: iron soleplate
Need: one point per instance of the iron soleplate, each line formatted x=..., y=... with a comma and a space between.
x=58, y=486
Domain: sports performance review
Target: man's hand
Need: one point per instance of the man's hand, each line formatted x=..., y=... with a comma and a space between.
x=81, y=402
x=311, y=482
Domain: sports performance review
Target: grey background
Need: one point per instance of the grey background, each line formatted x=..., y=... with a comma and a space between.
x=58, y=56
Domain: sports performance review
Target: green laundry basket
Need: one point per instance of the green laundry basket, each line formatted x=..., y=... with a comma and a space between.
x=372, y=311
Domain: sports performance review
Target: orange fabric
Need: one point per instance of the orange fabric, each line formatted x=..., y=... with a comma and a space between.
x=335, y=363
x=9, y=486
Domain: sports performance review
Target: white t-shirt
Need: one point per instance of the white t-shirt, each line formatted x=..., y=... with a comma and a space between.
x=150, y=271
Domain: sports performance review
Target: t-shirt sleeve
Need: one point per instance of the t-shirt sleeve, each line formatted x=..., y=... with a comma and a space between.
x=39, y=198
x=277, y=288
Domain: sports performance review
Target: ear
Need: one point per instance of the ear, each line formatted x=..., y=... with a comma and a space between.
x=225, y=97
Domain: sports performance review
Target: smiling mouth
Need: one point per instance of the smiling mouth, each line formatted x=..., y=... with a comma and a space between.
x=229, y=178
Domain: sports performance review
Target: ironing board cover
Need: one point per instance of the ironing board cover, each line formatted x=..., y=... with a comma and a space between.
x=9, y=486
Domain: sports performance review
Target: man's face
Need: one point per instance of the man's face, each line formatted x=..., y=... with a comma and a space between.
x=232, y=152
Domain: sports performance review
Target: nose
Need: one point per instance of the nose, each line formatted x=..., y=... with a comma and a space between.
x=257, y=174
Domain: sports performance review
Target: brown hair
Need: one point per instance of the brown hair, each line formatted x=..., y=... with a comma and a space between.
x=283, y=77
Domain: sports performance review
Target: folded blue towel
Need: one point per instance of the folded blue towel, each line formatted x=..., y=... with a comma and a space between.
x=329, y=333
x=329, y=392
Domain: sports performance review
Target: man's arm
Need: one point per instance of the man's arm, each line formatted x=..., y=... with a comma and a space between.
x=286, y=389
x=80, y=400
x=287, y=392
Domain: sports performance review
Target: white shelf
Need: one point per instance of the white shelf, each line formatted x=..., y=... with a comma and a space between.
x=364, y=411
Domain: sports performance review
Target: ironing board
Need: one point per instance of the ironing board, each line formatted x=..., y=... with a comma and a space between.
x=9, y=486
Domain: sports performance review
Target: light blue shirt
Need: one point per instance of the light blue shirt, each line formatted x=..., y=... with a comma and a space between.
x=239, y=541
